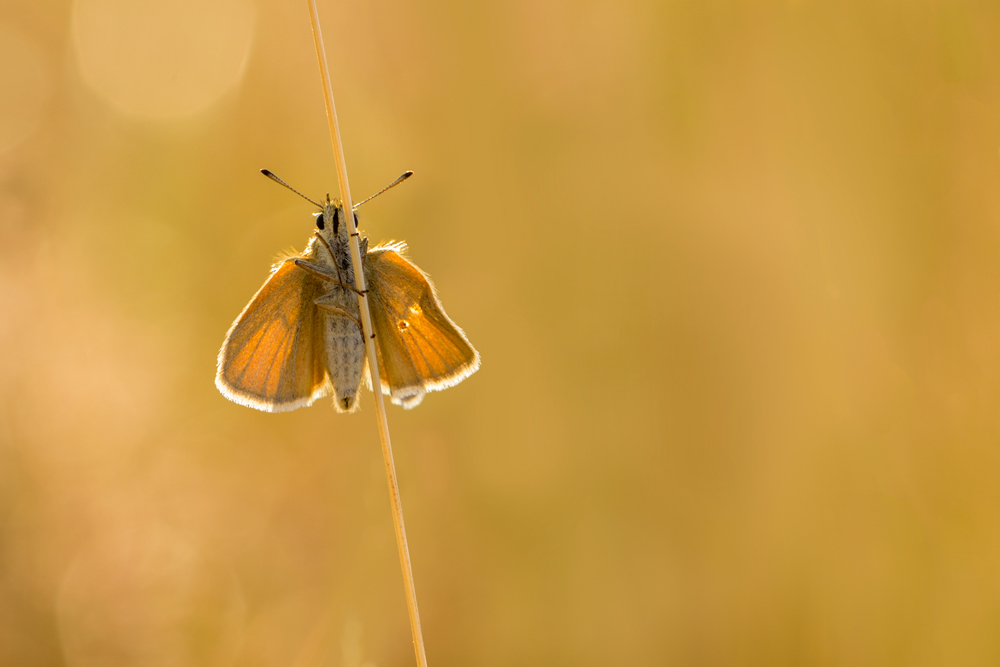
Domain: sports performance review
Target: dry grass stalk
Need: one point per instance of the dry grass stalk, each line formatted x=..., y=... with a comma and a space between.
x=366, y=320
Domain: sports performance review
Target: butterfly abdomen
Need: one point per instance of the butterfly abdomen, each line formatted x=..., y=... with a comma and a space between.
x=345, y=348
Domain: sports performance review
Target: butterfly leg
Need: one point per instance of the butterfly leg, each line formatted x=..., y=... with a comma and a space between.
x=338, y=311
x=326, y=244
x=333, y=256
x=323, y=274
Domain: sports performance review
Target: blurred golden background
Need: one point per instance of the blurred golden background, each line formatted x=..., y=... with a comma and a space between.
x=732, y=267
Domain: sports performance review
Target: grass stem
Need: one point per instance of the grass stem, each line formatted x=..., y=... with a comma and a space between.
x=366, y=320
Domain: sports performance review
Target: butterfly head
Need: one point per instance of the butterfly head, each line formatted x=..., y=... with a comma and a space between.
x=331, y=222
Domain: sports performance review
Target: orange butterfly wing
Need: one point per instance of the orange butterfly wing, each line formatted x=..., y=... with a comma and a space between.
x=274, y=357
x=419, y=348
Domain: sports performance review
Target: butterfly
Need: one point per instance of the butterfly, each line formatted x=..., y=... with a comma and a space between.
x=301, y=337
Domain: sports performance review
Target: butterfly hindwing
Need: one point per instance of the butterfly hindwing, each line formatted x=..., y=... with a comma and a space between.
x=273, y=358
x=419, y=348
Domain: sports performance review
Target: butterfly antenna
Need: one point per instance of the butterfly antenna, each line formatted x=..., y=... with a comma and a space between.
x=281, y=182
x=396, y=182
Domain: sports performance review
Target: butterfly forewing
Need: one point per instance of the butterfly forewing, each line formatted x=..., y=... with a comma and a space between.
x=419, y=348
x=273, y=358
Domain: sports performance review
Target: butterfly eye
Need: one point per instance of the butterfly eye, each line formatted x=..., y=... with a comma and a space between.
x=356, y=224
x=319, y=221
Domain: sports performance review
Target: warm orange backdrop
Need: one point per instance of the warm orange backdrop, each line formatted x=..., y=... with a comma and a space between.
x=733, y=267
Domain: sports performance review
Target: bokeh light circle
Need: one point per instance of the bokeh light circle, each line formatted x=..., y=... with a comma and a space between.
x=25, y=84
x=162, y=59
